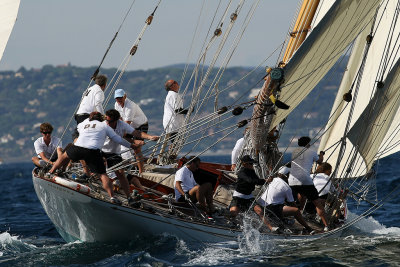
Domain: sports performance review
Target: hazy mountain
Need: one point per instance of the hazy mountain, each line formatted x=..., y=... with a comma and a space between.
x=51, y=94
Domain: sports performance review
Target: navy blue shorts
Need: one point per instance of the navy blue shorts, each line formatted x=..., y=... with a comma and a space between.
x=112, y=159
x=309, y=191
x=92, y=157
x=242, y=203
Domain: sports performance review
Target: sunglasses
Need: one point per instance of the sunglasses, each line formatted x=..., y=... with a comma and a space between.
x=46, y=132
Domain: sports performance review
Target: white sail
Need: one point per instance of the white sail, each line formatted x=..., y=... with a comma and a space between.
x=326, y=43
x=8, y=16
x=371, y=127
x=323, y=8
x=382, y=44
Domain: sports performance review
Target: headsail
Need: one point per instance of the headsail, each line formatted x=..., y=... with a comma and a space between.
x=319, y=52
x=374, y=70
x=8, y=16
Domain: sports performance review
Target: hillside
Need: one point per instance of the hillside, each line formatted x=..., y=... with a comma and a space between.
x=30, y=97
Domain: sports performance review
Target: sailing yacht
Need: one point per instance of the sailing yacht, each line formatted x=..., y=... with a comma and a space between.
x=362, y=128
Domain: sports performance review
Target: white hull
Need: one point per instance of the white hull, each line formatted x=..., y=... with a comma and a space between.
x=82, y=217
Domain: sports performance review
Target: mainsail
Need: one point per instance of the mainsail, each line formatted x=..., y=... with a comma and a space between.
x=379, y=59
x=8, y=16
x=326, y=43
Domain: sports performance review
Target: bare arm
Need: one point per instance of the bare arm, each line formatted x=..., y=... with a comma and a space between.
x=179, y=187
x=321, y=157
x=43, y=157
x=143, y=135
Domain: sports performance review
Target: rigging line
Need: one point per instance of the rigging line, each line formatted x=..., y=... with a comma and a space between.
x=292, y=24
x=217, y=53
x=133, y=50
x=192, y=43
x=203, y=54
x=112, y=41
x=302, y=28
x=381, y=123
x=332, y=56
x=370, y=210
x=196, y=92
x=189, y=130
x=246, y=75
x=388, y=42
x=233, y=48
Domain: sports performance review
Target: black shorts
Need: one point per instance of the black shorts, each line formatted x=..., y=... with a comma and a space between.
x=112, y=159
x=172, y=136
x=143, y=128
x=309, y=191
x=92, y=157
x=242, y=203
x=275, y=210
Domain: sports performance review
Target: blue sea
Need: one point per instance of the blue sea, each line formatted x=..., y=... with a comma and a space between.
x=28, y=238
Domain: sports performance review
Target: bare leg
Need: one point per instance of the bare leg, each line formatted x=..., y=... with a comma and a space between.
x=61, y=161
x=123, y=181
x=294, y=211
x=206, y=190
x=139, y=159
x=234, y=211
x=260, y=213
x=135, y=181
x=320, y=210
x=302, y=201
x=201, y=196
x=107, y=185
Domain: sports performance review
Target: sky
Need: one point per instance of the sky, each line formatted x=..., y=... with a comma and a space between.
x=79, y=31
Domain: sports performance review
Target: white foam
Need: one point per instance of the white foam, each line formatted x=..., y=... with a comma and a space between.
x=12, y=243
x=371, y=225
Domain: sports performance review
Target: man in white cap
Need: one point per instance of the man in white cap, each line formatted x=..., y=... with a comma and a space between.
x=274, y=198
x=130, y=112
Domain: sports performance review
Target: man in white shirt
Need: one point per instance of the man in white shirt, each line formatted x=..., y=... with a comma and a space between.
x=132, y=114
x=187, y=189
x=112, y=150
x=92, y=100
x=236, y=151
x=299, y=179
x=173, y=112
x=273, y=199
x=92, y=135
x=48, y=148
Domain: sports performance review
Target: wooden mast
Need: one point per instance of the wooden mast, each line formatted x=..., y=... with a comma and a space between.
x=268, y=95
x=301, y=28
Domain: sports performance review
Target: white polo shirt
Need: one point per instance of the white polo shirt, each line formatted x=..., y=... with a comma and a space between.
x=40, y=146
x=172, y=121
x=277, y=192
x=302, y=161
x=131, y=112
x=185, y=176
x=92, y=100
x=236, y=150
x=113, y=147
x=92, y=135
x=320, y=180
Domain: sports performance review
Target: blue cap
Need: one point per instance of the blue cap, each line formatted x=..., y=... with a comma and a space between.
x=119, y=93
